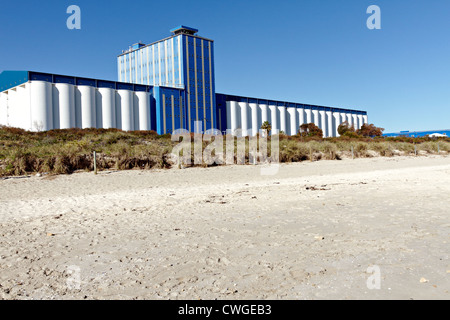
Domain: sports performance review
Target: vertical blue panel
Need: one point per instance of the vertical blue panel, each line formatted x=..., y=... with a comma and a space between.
x=192, y=84
x=185, y=115
x=158, y=105
x=213, y=85
x=153, y=113
x=221, y=104
x=168, y=104
x=176, y=114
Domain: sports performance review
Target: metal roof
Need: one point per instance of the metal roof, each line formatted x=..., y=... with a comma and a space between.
x=184, y=29
x=11, y=79
x=286, y=103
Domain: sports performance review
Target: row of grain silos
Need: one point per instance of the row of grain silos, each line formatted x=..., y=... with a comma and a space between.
x=64, y=105
x=249, y=117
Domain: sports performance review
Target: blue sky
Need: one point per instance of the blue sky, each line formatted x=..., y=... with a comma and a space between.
x=306, y=51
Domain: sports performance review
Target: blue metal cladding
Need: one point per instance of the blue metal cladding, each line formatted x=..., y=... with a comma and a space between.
x=222, y=98
x=140, y=87
x=199, y=83
x=85, y=82
x=213, y=84
x=181, y=61
x=11, y=79
x=124, y=86
x=221, y=112
x=191, y=85
x=205, y=84
x=37, y=76
x=198, y=77
x=159, y=63
x=64, y=79
x=106, y=84
x=153, y=108
x=158, y=115
x=170, y=110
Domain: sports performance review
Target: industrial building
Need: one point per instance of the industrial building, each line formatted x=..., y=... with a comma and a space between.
x=163, y=86
x=417, y=134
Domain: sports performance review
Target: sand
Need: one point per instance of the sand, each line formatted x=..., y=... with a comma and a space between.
x=309, y=232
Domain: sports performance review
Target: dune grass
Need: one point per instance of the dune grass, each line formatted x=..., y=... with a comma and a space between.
x=66, y=151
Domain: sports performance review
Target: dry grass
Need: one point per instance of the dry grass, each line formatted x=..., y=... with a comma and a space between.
x=66, y=151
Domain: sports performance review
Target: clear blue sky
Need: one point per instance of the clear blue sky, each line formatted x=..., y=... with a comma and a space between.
x=307, y=51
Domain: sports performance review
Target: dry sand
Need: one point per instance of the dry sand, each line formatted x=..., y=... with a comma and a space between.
x=308, y=232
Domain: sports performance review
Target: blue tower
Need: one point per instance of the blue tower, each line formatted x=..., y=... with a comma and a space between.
x=181, y=69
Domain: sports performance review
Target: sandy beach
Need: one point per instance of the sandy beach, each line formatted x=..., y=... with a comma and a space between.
x=310, y=231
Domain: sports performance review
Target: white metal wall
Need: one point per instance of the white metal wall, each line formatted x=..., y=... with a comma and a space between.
x=3, y=108
x=42, y=106
x=250, y=116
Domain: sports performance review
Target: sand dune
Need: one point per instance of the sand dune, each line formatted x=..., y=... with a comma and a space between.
x=308, y=232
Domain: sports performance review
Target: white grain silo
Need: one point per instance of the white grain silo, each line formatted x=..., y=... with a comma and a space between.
x=126, y=109
x=107, y=105
x=228, y=114
x=65, y=105
x=136, y=113
x=365, y=119
x=254, y=119
x=88, y=111
x=233, y=115
x=330, y=123
x=344, y=117
x=360, y=121
x=316, y=118
x=301, y=117
x=19, y=113
x=309, y=116
x=292, y=113
x=274, y=118
x=264, y=114
x=323, y=122
x=143, y=101
x=337, y=122
x=41, y=106
x=244, y=117
x=355, y=121
x=349, y=119
x=282, y=112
